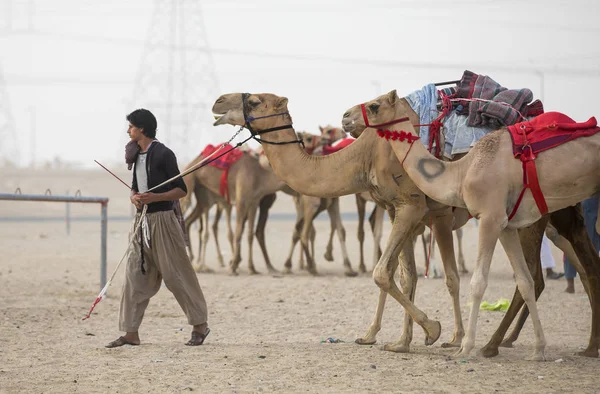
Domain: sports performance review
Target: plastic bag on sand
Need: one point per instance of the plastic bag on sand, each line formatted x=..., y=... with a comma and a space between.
x=501, y=305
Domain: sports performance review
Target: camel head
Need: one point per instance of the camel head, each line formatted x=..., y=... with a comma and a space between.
x=311, y=141
x=378, y=113
x=330, y=134
x=229, y=109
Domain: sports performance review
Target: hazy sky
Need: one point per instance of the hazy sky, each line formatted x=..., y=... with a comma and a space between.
x=70, y=66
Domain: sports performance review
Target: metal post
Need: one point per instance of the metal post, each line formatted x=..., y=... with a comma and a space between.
x=68, y=216
x=103, y=231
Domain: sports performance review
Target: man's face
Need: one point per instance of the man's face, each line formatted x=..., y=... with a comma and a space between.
x=135, y=133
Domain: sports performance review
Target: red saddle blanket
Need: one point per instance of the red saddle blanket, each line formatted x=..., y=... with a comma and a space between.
x=537, y=135
x=223, y=163
x=338, y=145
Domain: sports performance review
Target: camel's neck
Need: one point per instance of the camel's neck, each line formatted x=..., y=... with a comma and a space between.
x=440, y=180
x=338, y=174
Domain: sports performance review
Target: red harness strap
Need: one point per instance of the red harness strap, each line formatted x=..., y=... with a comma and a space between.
x=531, y=182
x=223, y=186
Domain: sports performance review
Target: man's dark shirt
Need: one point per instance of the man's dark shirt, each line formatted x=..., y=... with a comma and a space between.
x=161, y=164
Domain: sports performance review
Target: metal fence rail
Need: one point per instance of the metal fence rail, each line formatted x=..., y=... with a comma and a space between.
x=103, y=201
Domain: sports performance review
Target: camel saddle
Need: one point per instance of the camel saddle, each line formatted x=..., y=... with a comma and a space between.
x=541, y=133
x=338, y=145
x=223, y=163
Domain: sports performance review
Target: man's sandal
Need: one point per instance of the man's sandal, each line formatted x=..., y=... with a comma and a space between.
x=198, y=338
x=120, y=342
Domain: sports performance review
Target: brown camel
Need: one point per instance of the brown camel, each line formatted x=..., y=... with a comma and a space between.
x=205, y=199
x=367, y=166
x=487, y=181
x=248, y=183
x=307, y=209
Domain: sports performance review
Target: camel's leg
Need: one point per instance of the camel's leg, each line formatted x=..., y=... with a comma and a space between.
x=229, y=228
x=241, y=215
x=329, y=248
x=563, y=244
x=202, y=267
x=531, y=242
x=251, y=220
x=310, y=212
x=489, y=230
x=295, y=238
x=432, y=261
x=334, y=214
x=406, y=219
x=369, y=337
x=188, y=221
x=512, y=246
x=461, y=257
x=408, y=281
x=360, y=206
x=376, y=222
x=215, y=229
x=265, y=204
x=442, y=231
x=570, y=224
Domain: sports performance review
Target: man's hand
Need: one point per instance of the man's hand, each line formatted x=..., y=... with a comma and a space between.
x=148, y=197
x=135, y=200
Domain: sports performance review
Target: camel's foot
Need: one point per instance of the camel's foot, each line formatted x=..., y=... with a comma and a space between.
x=253, y=271
x=589, y=352
x=233, y=271
x=398, y=347
x=287, y=270
x=507, y=343
x=433, y=329
x=351, y=273
x=362, y=268
x=272, y=270
x=538, y=355
x=365, y=341
x=221, y=262
x=463, y=352
x=313, y=271
x=203, y=269
x=370, y=336
x=489, y=350
x=455, y=342
x=462, y=269
x=328, y=255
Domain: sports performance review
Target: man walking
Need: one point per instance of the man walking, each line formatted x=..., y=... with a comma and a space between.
x=158, y=247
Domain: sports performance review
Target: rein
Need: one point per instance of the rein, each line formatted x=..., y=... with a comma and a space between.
x=255, y=134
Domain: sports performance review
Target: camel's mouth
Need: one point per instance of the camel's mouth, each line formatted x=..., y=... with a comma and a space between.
x=219, y=119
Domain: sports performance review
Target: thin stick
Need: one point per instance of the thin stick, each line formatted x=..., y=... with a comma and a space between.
x=122, y=181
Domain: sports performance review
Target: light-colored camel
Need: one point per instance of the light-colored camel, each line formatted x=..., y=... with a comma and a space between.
x=365, y=165
x=368, y=164
x=248, y=183
x=488, y=181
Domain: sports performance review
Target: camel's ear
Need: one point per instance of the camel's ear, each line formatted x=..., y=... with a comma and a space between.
x=393, y=96
x=281, y=103
x=321, y=128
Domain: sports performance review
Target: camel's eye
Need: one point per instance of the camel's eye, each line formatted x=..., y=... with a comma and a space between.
x=374, y=107
x=253, y=103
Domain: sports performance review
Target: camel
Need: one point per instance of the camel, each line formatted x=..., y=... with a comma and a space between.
x=362, y=166
x=487, y=181
x=307, y=209
x=205, y=199
x=369, y=164
x=248, y=185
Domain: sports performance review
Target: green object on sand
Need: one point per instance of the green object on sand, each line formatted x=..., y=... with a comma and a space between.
x=501, y=305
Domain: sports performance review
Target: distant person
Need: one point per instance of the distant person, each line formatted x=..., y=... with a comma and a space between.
x=158, y=249
x=590, y=215
x=548, y=262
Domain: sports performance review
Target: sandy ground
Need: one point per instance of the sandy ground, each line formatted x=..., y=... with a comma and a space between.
x=266, y=330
